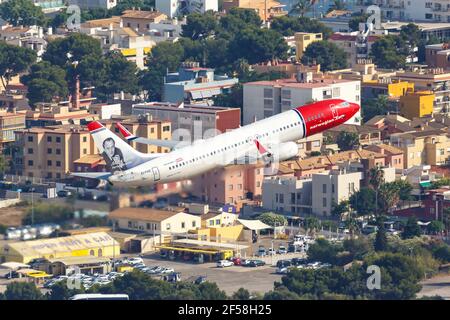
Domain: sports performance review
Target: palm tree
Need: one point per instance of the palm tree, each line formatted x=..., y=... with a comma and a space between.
x=302, y=7
x=376, y=179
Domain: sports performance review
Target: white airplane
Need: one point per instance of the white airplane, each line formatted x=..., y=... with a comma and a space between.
x=272, y=139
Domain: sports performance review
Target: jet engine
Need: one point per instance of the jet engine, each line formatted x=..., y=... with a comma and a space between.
x=283, y=151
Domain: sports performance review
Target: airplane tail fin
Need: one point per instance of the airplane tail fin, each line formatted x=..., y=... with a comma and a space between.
x=118, y=155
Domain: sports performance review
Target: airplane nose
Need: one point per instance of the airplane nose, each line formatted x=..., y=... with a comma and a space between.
x=355, y=108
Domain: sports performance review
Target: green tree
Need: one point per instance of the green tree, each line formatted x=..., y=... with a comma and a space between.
x=48, y=212
x=327, y=54
x=374, y=107
x=387, y=52
x=381, y=242
x=324, y=251
x=337, y=5
x=233, y=99
x=4, y=166
x=412, y=229
x=347, y=140
x=238, y=19
x=435, y=227
x=288, y=26
x=302, y=7
x=123, y=5
x=200, y=26
x=165, y=56
x=312, y=224
x=404, y=189
x=281, y=294
x=46, y=82
x=22, y=12
x=356, y=19
x=60, y=291
x=338, y=209
x=272, y=219
x=258, y=45
x=22, y=291
x=241, y=294
x=77, y=45
x=14, y=60
x=388, y=196
x=363, y=201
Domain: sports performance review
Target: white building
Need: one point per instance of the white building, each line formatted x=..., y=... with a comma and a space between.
x=106, y=111
x=174, y=8
x=333, y=187
x=263, y=99
x=94, y=4
x=287, y=195
x=411, y=10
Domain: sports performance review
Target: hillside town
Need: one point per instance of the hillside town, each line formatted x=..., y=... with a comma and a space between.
x=374, y=190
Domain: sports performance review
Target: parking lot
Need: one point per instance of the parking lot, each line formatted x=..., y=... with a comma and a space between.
x=230, y=279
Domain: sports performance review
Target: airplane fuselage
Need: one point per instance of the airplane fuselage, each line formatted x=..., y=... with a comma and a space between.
x=239, y=144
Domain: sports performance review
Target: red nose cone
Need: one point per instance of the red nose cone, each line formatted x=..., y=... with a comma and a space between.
x=354, y=107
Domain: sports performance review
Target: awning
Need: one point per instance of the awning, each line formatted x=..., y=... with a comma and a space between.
x=254, y=224
x=14, y=265
x=196, y=95
x=425, y=184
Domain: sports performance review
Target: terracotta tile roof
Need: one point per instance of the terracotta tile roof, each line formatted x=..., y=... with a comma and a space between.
x=142, y=214
x=140, y=14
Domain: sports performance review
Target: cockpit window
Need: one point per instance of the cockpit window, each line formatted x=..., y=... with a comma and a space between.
x=345, y=104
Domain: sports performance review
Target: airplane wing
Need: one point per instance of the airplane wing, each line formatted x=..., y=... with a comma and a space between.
x=92, y=175
x=155, y=142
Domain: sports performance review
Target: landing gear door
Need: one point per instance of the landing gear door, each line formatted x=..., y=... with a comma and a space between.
x=156, y=175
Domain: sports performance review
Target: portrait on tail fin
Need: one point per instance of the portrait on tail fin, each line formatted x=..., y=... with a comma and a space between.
x=113, y=156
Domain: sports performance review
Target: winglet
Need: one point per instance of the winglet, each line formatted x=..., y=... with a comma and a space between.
x=127, y=134
x=260, y=147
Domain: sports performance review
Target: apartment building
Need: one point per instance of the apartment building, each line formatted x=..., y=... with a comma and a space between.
x=105, y=111
x=333, y=187
x=417, y=104
x=263, y=99
x=230, y=185
x=191, y=122
x=438, y=55
x=94, y=4
x=430, y=147
x=145, y=127
x=175, y=8
x=287, y=195
x=140, y=20
x=195, y=85
x=50, y=152
x=394, y=155
x=411, y=10
x=355, y=45
x=266, y=9
x=10, y=121
x=52, y=115
x=303, y=40
x=385, y=86
x=436, y=80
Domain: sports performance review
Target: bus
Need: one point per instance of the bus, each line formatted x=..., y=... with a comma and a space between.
x=99, y=296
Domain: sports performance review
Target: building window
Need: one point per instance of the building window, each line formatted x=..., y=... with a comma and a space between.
x=49, y=163
x=84, y=151
x=281, y=198
x=286, y=94
x=324, y=202
x=129, y=224
x=183, y=225
x=217, y=222
x=49, y=151
x=194, y=224
x=84, y=139
x=58, y=163
x=336, y=92
x=268, y=93
x=148, y=226
x=30, y=162
x=211, y=222
x=58, y=151
x=30, y=138
x=30, y=151
x=324, y=188
x=166, y=128
x=58, y=139
x=167, y=226
x=49, y=139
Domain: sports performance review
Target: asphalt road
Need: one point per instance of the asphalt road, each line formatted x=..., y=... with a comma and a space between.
x=439, y=285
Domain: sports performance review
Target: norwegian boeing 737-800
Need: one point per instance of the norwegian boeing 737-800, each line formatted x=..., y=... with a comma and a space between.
x=272, y=138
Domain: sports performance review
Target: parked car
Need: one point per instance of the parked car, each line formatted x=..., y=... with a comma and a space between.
x=299, y=261
x=200, y=280
x=224, y=263
x=261, y=252
x=245, y=262
x=284, y=263
x=282, y=250
x=135, y=260
x=167, y=270
x=271, y=252
x=237, y=261
x=256, y=263
x=63, y=193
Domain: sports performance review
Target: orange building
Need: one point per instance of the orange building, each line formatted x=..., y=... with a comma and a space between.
x=266, y=9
